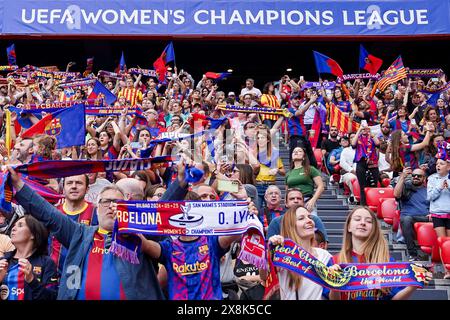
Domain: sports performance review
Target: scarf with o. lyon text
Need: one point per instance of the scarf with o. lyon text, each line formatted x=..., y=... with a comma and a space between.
x=189, y=218
x=353, y=277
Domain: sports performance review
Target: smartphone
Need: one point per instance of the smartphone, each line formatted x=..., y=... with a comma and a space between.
x=228, y=185
x=434, y=79
x=363, y=123
x=224, y=159
x=413, y=122
x=136, y=145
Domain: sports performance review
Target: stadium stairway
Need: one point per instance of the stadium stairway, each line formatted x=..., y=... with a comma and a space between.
x=333, y=207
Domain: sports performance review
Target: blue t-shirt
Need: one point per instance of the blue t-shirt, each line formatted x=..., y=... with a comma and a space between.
x=416, y=203
x=193, y=268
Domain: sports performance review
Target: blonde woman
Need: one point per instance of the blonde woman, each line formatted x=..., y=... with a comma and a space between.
x=297, y=225
x=364, y=242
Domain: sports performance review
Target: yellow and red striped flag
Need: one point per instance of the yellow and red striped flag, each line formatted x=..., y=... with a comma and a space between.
x=341, y=121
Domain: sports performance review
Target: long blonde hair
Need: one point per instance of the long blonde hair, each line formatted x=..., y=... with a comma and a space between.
x=289, y=231
x=375, y=248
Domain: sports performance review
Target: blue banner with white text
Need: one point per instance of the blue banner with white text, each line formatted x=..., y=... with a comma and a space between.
x=226, y=18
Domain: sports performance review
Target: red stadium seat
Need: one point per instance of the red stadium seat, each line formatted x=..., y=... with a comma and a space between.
x=427, y=239
x=356, y=190
x=385, y=182
x=373, y=196
x=389, y=212
x=319, y=156
x=444, y=246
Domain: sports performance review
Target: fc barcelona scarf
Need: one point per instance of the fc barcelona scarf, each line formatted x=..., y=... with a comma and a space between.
x=66, y=168
x=353, y=277
x=262, y=110
x=189, y=218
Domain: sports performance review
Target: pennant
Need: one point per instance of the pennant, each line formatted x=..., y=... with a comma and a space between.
x=11, y=53
x=122, y=67
x=89, y=67
x=325, y=64
x=369, y=62
x=206, y=218
x=101, y=92
x=217, y=76
x=394, y=73
x=353, y=277
x=160, y=64
x=67, y=126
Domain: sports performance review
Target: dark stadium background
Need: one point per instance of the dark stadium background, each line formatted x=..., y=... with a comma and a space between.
x=261, y=59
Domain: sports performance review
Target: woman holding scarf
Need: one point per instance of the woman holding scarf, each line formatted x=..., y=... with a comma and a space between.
x=297, y=224
x=366, y=158
x=364, y=242
x=27, y=273
x=401, y=121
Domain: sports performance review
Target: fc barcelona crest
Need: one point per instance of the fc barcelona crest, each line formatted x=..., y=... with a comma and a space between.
x=53, y=128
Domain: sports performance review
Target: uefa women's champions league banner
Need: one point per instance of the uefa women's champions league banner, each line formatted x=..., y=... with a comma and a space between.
x=226, y=18
x=353, y=277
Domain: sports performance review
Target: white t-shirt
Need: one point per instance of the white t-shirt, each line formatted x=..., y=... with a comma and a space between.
x=308, y=290
x=254, y=91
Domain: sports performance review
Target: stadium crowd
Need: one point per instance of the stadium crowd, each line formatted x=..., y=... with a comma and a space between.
x=396, y=138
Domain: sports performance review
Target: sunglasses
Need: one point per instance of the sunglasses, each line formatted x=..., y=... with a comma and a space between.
x=415, y=175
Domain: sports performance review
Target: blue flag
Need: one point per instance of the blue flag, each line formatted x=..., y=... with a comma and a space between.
x=11, y=52
x=100, y=91
x=72, y=127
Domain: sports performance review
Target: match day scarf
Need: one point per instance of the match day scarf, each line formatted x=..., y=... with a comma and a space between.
x=263, y=110
x=425, y=73
x=8, y=68
x=144, y=72
x=438, y=90
x=66, y=168
x=318, y=85
x=56, y=106
x=78, y=83
x=190, y=218
x=354, y=76
x=109, y=74
x=353, y=277
x=111, y=111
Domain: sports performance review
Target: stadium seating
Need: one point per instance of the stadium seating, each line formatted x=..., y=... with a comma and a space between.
x=444, y=246
x=373, y=196
x=356, y=190
x=389, y=212
x=427, y=239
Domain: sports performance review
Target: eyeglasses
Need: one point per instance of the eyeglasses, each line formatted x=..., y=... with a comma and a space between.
x=415, y=175
x=105, y=203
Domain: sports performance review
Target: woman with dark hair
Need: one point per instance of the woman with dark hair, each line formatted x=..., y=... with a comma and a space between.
x=154, y=192
x=401, y=122
x=305, y=177
x=43, y=147
x=431, y=115
x=92, y=151
x=27, y=273
x=269, y=100
x=364, y=242
x=340, y=101
x=403, y=154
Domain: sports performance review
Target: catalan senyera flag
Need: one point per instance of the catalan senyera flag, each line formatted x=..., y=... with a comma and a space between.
x=393, y=74
x=341, y=121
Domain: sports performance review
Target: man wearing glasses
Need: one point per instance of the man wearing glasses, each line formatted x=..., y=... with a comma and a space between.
x=91, y=272
x=412, y=195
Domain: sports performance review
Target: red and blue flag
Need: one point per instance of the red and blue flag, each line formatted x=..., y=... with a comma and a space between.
x=325, y=64
x=11, y=53
x=369, y=62
x=217, y=76
x=160, y=64
x=100, y=91
x=67, y=126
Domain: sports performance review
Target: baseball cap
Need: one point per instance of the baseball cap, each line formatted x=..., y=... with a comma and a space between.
x=231, y=93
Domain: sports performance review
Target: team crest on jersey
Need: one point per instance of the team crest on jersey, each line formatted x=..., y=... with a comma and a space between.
x=203, y=250
x=53, y=128
x=37, y=270
x=4, y=292
x=86, y=222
